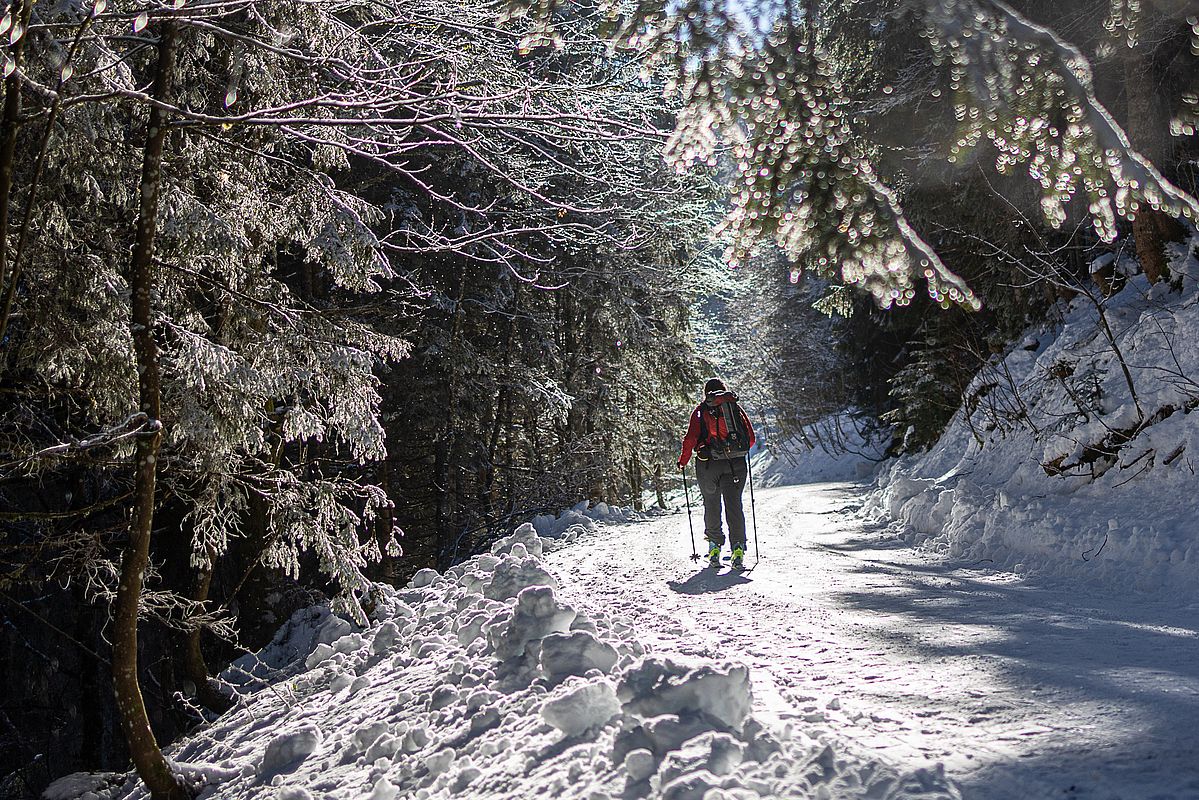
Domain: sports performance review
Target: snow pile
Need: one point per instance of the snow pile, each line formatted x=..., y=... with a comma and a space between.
x=1061, y=467
x=841, y=447
x=305, y=631
x=482, y=683
x=580, y=518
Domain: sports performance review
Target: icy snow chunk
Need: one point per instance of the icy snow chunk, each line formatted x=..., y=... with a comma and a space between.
x=660, y=685
x=717, y=753
x=537, y=614
x=662, y=734
x=761, y=743
x=384, y=747
x=383, y=790
x=367, y=735
x=433, y=613
x=78, y=784
x=319, y=655
x=443, y=697
x=425, y=645
x=575, y=653
x=574, y=518
x=472, y=625
x=439, y=762
x=388, y=604
x=474, y=581
x=640, y=764
x=466, y=776
x=484, y=720
x=348, y=643
x=525, y=535
x=692, y=786
x=294, y=793
x=288, y=749
x=1124, y=416
x=479, y=699
x=485, y=562
x=423, y=578
x=415, y=739
x=583, y=622
x=581, y=706
x=292, y=643
x=927, y=780
x=332, y=629
x=512, y=575
x=385, y=637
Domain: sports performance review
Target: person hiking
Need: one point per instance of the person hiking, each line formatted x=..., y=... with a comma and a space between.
x=720, y=435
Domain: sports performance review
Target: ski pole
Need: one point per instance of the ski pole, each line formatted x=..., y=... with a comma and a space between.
x=687, y=494
x=753, y=509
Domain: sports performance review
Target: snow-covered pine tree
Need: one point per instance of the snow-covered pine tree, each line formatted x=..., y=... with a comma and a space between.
x=312, y=163
x=516, y=397
x=772, y=87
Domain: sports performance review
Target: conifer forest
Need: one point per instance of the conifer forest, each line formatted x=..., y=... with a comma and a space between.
x=382, y=321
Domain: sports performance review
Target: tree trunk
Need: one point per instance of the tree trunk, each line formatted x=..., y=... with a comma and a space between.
x=638, y=480
x=448, y=443
x=487, y=498
x=147, y=757
x=385, y=524
x=1146, y=126
x=658, y=486
x=194, y=665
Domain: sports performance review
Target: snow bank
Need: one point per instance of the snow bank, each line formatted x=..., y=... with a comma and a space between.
x=579, y=519
x=1059, y=469
x=841, y=447
x=481, y=682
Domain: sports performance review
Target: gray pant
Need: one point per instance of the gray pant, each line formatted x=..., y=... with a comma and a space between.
x=723, y=480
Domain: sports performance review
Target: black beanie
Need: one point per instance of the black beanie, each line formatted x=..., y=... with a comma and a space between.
x=714, y=385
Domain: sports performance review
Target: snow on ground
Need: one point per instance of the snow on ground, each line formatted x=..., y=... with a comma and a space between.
x=1020, y=687
x=604, y=663
x=1061, y=469
x=485, y=682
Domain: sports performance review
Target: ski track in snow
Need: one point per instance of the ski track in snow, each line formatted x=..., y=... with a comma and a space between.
x=1021, y=689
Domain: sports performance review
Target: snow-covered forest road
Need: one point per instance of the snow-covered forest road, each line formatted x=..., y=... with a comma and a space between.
x=1023, y=689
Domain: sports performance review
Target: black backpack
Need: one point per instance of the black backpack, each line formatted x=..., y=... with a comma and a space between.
x=736, y=444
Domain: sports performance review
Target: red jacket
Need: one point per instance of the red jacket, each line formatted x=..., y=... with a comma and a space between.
x=698, y=425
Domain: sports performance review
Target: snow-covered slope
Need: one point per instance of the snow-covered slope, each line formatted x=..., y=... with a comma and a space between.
x=840, y=447
x=483, y=683
x=1080, y=452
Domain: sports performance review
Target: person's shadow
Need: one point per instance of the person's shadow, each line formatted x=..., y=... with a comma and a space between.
x=708, y=580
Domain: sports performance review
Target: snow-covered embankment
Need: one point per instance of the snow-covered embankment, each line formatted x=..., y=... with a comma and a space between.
x=482, y=683
x=1075, y=453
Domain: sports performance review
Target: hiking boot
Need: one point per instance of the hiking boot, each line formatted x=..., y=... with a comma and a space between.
x=738, y=558
x=714, y=556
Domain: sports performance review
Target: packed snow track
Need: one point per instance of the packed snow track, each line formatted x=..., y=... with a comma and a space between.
x=1022, y=689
